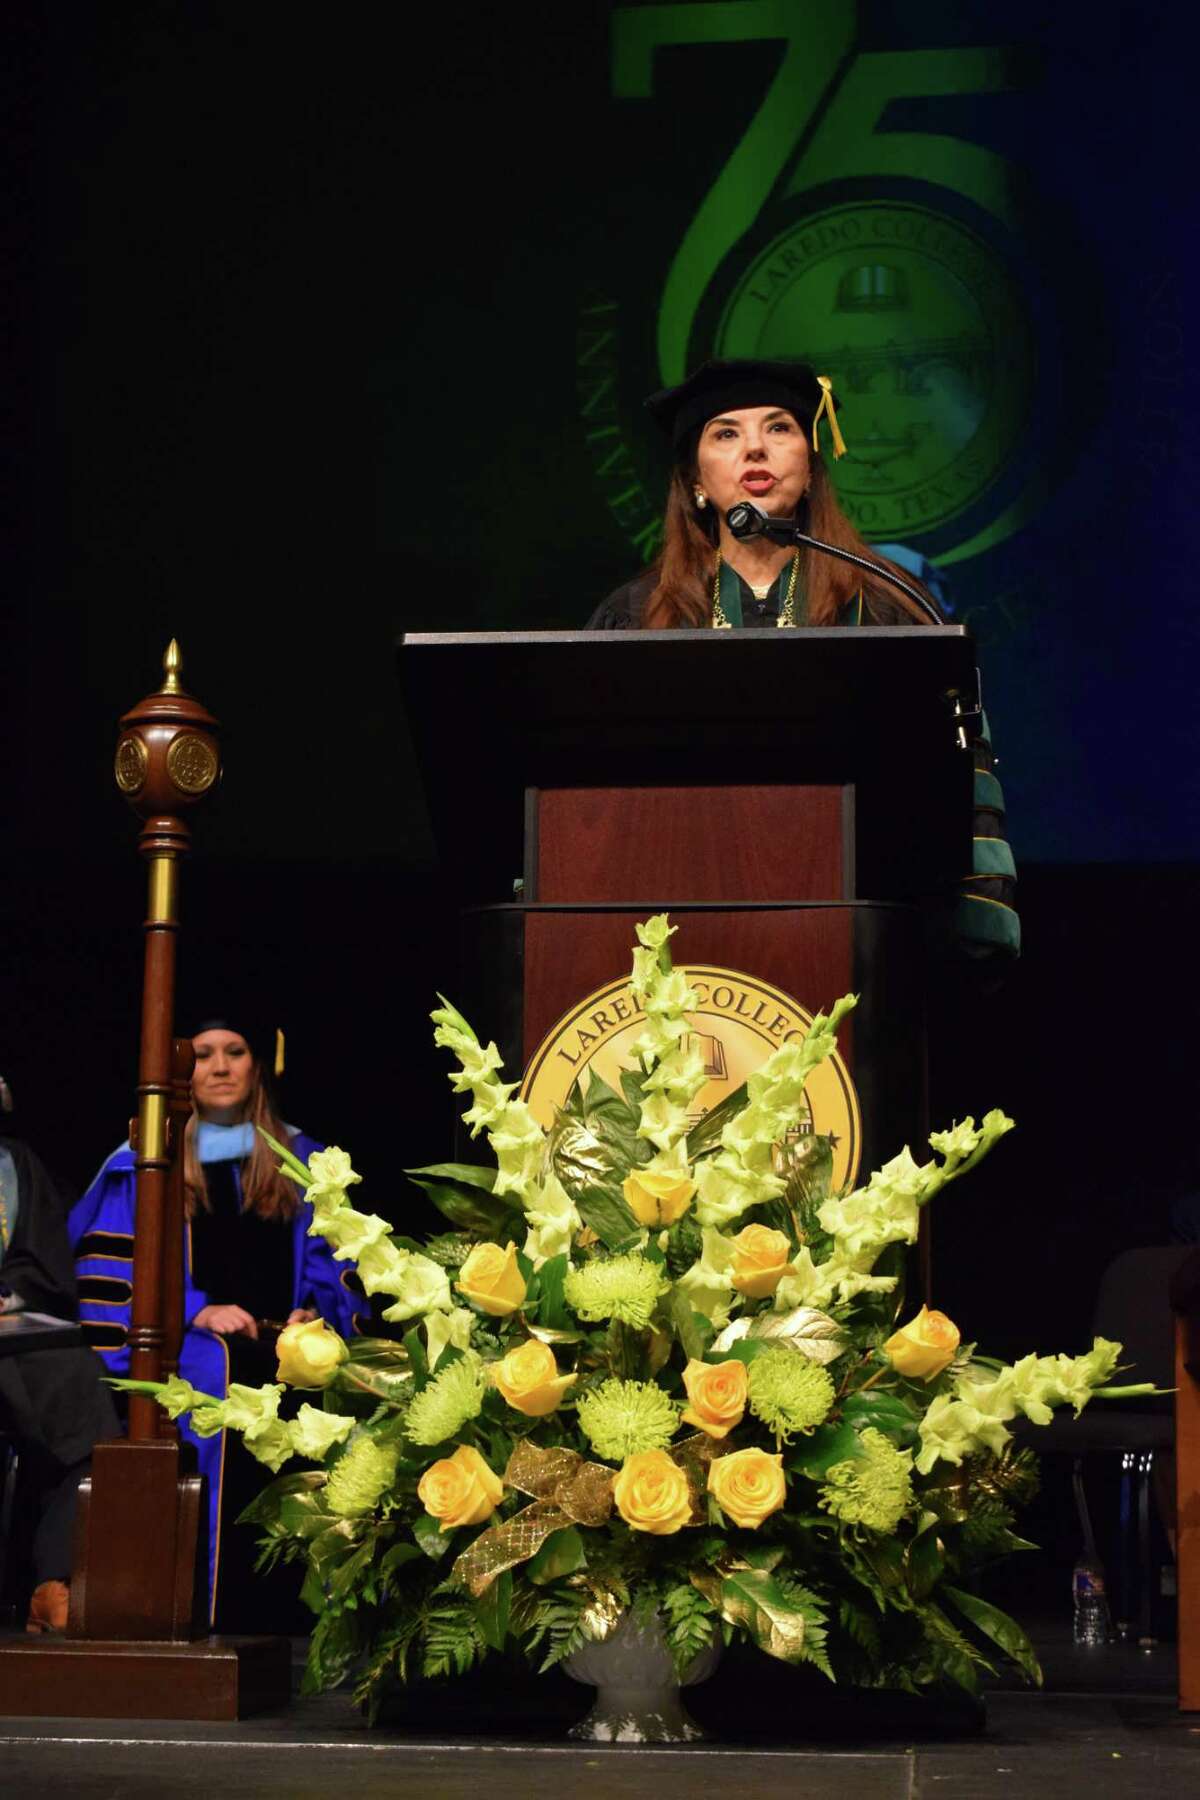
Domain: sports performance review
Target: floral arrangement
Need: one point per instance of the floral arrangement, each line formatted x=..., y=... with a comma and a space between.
x=654, y=1366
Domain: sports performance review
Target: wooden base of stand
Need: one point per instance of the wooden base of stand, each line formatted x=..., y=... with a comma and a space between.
x=79, y=1678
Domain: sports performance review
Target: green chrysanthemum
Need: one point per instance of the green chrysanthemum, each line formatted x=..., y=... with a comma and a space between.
x=789, y=1393
x=361, y=1478
x=874, y=1489
x=621, y=1418
x=616, y=1287
x=443, y=1407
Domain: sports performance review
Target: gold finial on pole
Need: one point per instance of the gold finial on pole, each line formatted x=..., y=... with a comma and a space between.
x=172, y=669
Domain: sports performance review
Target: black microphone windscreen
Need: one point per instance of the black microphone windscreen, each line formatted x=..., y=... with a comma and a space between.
x=746, y=520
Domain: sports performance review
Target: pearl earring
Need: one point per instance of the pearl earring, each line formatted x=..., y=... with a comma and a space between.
x=701, y=497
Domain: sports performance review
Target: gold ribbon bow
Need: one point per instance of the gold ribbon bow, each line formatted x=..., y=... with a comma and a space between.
x=826, y=410
x=565, y=1490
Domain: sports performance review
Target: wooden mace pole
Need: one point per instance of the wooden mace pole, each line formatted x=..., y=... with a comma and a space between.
x=166, y=761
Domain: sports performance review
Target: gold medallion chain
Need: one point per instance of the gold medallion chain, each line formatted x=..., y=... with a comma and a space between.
x=787, y=612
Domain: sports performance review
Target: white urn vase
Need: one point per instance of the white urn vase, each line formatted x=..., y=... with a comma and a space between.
x=638, y=1690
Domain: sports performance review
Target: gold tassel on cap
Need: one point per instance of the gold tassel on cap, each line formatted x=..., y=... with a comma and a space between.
x=826, y=410
x=278, y=1051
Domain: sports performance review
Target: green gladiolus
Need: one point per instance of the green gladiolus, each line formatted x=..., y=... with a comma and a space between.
x=313, y=1432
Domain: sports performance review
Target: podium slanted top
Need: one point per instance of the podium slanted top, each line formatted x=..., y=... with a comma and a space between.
x=493, y=714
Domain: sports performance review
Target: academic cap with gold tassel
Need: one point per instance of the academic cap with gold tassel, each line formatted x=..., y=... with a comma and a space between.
x=266, y=1042
x=718, y=387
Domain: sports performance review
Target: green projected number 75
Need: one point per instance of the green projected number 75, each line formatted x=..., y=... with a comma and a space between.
x=821, y=113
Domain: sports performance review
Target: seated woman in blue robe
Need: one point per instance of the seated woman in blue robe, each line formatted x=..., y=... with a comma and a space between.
x=250, y=1268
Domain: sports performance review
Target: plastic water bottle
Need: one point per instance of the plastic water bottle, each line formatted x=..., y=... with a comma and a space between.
x=1091, y=1603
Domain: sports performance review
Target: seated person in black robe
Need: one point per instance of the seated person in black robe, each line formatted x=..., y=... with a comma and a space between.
x=53, y=1404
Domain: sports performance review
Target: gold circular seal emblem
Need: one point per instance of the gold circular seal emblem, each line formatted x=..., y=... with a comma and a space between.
x=739, y=1022
x=191, y=763
x=130, y=764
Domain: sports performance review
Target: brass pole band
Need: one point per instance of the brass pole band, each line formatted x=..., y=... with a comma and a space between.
x=152, y=1128
x=163, y=900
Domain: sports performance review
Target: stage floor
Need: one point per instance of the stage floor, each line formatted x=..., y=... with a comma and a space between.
x=1106, y=1726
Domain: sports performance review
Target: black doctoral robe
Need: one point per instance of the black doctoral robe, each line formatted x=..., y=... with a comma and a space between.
x=52, y=1402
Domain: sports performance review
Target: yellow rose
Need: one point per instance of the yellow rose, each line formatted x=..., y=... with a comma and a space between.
x=460, y=1489
x=658, y=1199
x=716, y=1396
x=491, y=1278
x=652, y=1493
x=310, y=1355
x=748, y=1485
x=528, y=1378
x=760, y=1258
x=924, y=1347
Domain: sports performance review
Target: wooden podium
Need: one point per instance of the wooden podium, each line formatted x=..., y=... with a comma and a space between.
x=792, y=798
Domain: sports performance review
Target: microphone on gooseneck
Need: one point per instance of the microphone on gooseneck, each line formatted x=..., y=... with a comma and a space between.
x=745, y=520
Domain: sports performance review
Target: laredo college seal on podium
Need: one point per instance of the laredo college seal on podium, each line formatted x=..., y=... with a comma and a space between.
x=739, y=1022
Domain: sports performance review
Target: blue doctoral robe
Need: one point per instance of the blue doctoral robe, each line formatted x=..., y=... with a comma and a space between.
x=101, y=1231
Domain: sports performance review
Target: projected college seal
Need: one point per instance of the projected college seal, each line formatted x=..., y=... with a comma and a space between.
x=739, y=1022
x=923, y=330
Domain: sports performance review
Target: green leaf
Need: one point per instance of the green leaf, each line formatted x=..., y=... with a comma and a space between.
x=885, y=1558
x=463, y=1194
x=764, y=1556
x=303, y=1516
x=376, y=1366
x=633, y=1086
x=692, y=1329
x=377, y=1353
x=418, y=1361
x=952, y=1653
x=431, y=1538
x=298, y=1170
x=265, y=1508
x=552, y=1311
x=591, y=1171
x=492, y=1609
x=334, y=1644
x=349, y=1573
x=562, y=1553
x=827, y=1445
x=603, y=1101
x=744, y=1350
x=396, y=1557
x=924, y=1560
x=706, y=1135
x=753, y=1600
x=884, y=1412
x=811, y=1177
x=996, y=1625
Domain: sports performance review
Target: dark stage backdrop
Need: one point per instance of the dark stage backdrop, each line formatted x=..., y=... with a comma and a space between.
x=332, y=323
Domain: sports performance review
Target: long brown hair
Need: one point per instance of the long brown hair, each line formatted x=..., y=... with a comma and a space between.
x=264, y=1190
x=683, y=570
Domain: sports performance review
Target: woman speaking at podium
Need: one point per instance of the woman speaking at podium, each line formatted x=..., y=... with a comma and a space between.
x=749, y=473
x=750, y=432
